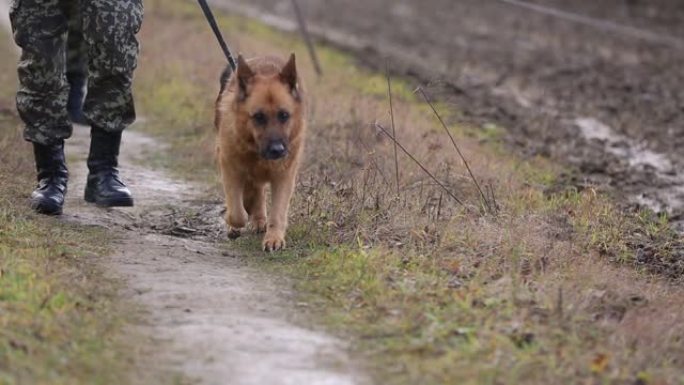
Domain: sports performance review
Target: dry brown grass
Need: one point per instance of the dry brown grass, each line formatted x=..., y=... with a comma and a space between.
x=547, y=291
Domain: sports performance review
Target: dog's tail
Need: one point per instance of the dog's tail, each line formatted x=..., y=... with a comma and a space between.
x=223, y=81
x=225, y=77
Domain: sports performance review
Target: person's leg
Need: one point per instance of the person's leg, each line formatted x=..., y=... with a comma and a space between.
x=76, y=63
x=39, y=28
x=109, y=29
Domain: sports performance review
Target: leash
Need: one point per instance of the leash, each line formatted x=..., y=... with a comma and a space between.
x=214, y=27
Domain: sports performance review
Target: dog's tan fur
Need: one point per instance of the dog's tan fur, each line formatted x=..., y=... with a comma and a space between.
x=267, y=85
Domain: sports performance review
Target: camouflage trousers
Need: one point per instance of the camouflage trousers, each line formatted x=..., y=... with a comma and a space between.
x=108, y=28
x=77, y=50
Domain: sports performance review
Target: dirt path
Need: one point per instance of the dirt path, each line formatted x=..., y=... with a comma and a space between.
x=597, y=85
x=216, y=320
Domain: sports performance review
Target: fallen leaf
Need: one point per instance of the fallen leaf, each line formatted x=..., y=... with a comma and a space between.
x=600, y=363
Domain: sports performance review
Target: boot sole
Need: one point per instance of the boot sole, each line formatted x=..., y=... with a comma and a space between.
x=110, y=202
x=46, y=209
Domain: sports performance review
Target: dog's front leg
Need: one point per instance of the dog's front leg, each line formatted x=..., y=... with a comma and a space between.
x=281, y=192
x=255, y=204
x=236, y=215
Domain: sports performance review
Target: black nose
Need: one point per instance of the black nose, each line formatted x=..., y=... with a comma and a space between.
x=275, y=150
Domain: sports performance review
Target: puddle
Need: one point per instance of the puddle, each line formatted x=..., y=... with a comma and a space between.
x=635, y=153
x=666, y=193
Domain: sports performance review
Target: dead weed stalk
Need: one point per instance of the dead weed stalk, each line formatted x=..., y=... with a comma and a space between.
x=489, y=207
x=417, y=162
x=394, y=132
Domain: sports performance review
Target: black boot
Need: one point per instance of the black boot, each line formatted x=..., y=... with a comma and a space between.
x=104, y=186
x=77, y=87
x=48, y=197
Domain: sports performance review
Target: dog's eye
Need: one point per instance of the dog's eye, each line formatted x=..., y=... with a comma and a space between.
x=260, y=119
x=283, y=116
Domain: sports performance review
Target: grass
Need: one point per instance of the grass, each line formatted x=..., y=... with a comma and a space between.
x=60, y=318
x=562, y=286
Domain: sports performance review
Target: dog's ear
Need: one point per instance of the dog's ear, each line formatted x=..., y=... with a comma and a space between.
x=244, y=75
x=288, y=75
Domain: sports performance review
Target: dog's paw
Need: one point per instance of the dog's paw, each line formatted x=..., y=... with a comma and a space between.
x=273, y=242
x=259, y=225
x=234, y=233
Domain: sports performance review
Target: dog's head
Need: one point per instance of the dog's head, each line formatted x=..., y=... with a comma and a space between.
x=268, y=105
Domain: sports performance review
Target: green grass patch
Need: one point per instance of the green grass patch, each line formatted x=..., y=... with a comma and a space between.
x=419, y=322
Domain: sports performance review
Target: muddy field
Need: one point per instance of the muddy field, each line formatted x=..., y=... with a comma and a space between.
x=597, y=85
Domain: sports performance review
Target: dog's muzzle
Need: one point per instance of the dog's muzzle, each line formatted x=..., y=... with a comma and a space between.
x=276, y=149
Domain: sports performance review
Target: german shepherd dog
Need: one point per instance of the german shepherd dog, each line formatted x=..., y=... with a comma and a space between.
x=260, y=127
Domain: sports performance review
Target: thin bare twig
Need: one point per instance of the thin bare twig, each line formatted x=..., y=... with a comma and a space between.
x=485, y=201
x=386, y=132
x=494, y=202
x=394, y=132
x=307, y=38
x=439, y=206
x=559, y=303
